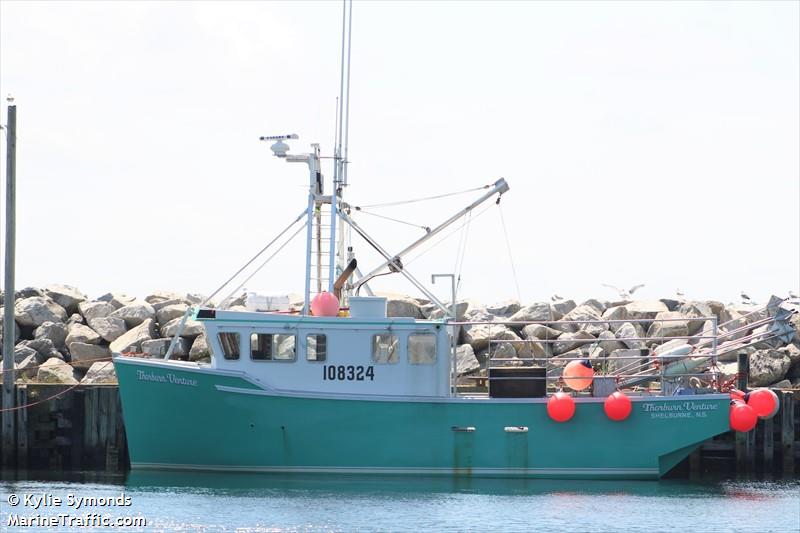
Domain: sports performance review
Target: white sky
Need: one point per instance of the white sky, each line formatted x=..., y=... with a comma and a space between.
x=647, y=142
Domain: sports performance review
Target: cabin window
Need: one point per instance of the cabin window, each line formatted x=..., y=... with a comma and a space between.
x=421, y=348
x=316, y=347
x=230, y=345
x=272, y=347
x=384, y=348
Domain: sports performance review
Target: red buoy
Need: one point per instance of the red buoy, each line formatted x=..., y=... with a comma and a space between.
x=561, y=407
x=578, y=374
x=617, y=406
x=764, y=402
x=742, y=417
x=325, y=304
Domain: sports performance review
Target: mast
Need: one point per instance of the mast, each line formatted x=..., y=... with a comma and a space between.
x=338, y=258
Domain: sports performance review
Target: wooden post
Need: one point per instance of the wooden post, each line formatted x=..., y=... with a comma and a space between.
x=22, y=428
x=769, y=447
x=745, y=442
x=8, y=397
x=787, y=432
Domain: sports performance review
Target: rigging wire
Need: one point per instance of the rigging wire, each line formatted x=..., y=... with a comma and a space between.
x=426, y=228
x=267, y=260
x=510, y=256
x=447, y=236
x=264, y=249
x=458, y=268
x=436, y=197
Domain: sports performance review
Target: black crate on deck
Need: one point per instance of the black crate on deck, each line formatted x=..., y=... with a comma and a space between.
x=517, y=382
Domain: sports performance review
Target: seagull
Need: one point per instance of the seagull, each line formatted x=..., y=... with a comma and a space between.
x=556, y=298
x=746, y=299
x=679, y=293
x=624, y=294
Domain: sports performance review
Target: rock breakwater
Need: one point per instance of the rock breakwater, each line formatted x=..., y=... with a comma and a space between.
x=62, y=336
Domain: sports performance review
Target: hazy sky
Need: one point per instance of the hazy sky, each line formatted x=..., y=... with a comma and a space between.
x=644, y=142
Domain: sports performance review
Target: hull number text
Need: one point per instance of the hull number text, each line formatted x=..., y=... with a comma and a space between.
x=347, y=373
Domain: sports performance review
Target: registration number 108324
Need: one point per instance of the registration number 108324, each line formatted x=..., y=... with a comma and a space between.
x=347, y=373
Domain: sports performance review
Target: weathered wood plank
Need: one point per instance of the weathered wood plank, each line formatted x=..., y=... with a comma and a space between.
x=22, y=428
x=787, y=433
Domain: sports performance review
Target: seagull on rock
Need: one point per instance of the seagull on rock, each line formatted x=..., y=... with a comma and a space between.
x=623, y=293
x=746, y=299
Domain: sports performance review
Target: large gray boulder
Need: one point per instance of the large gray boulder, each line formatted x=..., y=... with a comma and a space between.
x=480, y=335
x=504, y=309
x=55, y=331
x=192, y=328
x=402, y=306
x=27, y=368
x=170, y=312
x=56, y=371
x=37, y=310
x=668, y=324
x=433, y=312
x=159, y=297
x=466, y=362
x=538, y=312
x=118, y=300
x=81, y=333
x=609, y=343
x=131, y=340
x=768, y=367
x=571, y=340
x=200, y=350
x=66, y=296
x=615, y=313
x=100, y=373
x=23, y=351
x=624, y=360
x=540, y=331
x=45, y=348
x=598, y=305
x=695, y=311
x=563, y=307
x=135, y=313
x=108, y=327
x=91, y=310
x=629, y=334
x=580, y=313
x=158, y=348
x=85, y=355
x=644, y=309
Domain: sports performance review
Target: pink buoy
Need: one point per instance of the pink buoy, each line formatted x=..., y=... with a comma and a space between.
x=764, y=402
x=561, y=407
x=578, y=374
x=617, y=406
x=742, y=417
x=325, y=304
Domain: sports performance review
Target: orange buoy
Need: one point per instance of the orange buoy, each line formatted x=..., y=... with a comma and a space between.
x=742, y=416
x=561, y=407
x=763, y=401
x=578, y=374
x=617, y=406
x=325, y=304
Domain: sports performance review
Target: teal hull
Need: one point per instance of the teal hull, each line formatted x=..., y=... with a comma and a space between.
x=191, y=419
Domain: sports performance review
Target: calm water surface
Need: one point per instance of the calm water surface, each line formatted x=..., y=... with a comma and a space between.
x=272, y=503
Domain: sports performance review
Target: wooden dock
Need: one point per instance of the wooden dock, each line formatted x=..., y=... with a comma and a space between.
x=82, y=429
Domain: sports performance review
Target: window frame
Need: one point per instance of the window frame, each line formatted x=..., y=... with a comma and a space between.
x=394, y=354
x=223, y=344
x=273, y=347
x=316, y=352
x=421, y=334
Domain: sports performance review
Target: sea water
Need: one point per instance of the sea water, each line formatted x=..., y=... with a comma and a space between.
x=195, y=502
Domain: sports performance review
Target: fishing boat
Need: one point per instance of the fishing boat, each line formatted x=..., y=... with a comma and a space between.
x=340, y=387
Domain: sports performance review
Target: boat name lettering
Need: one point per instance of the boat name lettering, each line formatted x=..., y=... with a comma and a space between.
x=141, y=375
x=680, y=409
x=347, y=373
